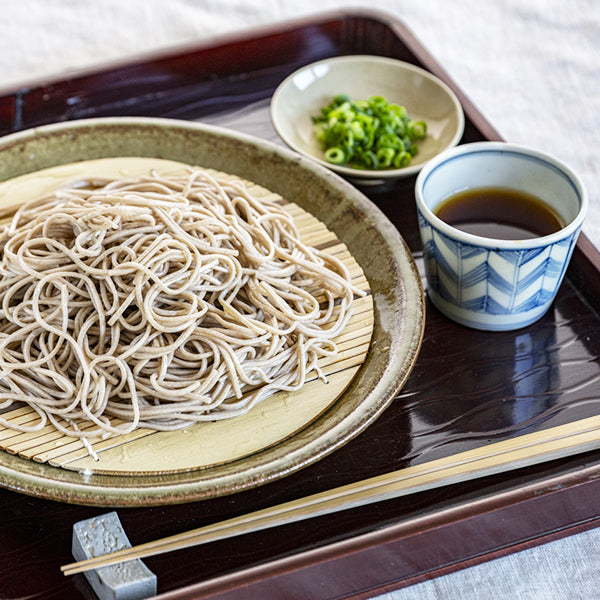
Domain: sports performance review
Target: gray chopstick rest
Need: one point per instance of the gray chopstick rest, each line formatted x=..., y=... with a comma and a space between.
x=130, y=580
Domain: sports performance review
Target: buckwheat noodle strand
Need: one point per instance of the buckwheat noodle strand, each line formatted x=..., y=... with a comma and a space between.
x=159, y=302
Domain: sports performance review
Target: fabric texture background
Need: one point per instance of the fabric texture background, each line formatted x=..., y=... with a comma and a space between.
x=531, y=66
x=562, y=569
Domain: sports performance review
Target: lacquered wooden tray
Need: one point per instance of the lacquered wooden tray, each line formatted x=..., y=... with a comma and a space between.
x=469, y=390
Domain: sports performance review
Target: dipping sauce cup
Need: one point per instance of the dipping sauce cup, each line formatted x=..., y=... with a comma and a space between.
x=487, y=283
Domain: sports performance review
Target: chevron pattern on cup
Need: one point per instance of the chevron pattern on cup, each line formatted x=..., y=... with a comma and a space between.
x=493, y=281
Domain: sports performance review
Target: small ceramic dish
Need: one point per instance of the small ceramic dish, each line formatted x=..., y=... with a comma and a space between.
x=301, y=95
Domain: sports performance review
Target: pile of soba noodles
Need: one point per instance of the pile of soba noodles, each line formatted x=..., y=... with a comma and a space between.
x=159, y=302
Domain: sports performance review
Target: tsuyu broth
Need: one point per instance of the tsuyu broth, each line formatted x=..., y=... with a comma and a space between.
x=499, y=213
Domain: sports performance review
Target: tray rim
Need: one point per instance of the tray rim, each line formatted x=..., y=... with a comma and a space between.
x=445, y=523
x=586, y=257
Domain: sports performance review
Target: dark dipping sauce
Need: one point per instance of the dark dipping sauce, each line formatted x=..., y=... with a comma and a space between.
x=499, y=213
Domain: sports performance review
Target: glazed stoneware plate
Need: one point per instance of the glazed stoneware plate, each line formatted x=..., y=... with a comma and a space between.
x=301, y=95
x=398, y=306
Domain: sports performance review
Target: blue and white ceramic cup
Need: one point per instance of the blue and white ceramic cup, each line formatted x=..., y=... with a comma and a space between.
x=486, y=283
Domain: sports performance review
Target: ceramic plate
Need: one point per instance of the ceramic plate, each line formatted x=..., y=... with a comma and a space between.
x=301, y=95
x=391, y=272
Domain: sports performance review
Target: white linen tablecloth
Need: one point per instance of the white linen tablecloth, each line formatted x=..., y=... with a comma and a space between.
x=531, y=66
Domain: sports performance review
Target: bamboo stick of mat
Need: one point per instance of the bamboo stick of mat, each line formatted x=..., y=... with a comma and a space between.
x=560, y=441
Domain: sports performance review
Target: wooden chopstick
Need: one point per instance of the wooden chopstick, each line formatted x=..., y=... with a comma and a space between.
x=560, y=441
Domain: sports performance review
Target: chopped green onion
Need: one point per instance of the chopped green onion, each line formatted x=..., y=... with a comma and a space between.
x=402, y=159
x=385, y=157
x=335, y=155
x=368, y=134
x=417, y=130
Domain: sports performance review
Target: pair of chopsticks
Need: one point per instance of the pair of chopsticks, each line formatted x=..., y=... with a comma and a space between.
x=560, y=441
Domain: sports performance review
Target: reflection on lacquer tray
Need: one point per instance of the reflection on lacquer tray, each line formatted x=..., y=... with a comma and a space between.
x=508, y=385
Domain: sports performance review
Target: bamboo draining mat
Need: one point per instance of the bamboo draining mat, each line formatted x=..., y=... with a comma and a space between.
x=146, y=451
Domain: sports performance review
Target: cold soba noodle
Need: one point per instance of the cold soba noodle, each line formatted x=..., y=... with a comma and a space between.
x=159, y=302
